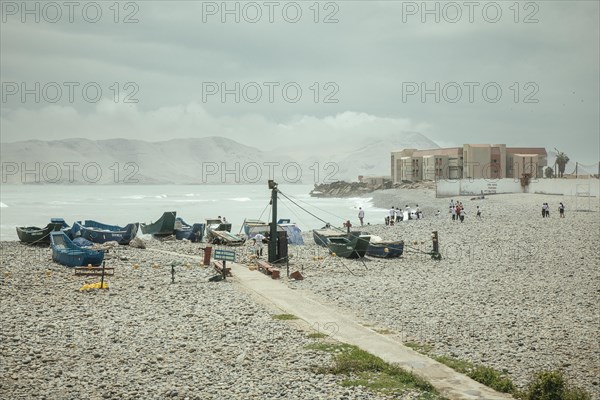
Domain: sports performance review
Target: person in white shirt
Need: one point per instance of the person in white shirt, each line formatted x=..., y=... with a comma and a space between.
x=258, y=244
x=361, y=215
x=392, y=215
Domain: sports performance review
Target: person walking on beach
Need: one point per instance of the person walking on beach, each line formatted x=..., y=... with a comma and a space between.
x=478, y=212
x=462, y=215
x=407, y=210
x=453, y=211
x=258, y=244
x=418, y=212
x=392, y=215
x=399, y=216
x=545, y=210
x=451, y=206
x=561, y=210
x=361, y=216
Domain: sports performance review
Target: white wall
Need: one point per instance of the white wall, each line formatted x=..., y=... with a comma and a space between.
x=466, y=187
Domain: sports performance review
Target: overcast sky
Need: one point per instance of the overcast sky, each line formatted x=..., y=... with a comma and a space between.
x=362, y=68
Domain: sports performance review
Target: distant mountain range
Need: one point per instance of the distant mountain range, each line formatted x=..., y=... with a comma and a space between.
x=193, y=161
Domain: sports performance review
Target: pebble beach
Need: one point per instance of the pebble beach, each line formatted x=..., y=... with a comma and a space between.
x=513, y=291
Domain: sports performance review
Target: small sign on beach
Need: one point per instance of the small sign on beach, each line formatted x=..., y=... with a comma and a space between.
x=226, y=255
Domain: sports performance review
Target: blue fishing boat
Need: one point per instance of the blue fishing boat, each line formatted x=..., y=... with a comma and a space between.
x=385, y=249
x=194, y=233
x=98, y=232
x=65, y=252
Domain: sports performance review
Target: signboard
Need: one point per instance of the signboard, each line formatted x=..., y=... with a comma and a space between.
x=226, y=255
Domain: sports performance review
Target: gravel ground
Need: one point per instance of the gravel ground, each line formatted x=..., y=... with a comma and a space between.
x=513, y=291
x=146, y=338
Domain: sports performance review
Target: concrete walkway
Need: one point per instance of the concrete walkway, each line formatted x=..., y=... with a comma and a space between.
x=448, y=382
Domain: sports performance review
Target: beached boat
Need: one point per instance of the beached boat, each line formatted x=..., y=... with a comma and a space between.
x=385, y=249
x=194, y=233
x=164, y=226
x=225, y=238
x=34, y=235
x=216, y=224
x=65, y=252
x=254, y=226
x=321, y=236
x=101, y=233
x=352, y=245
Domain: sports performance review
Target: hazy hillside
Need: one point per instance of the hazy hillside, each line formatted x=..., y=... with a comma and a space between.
x=373, y=158
x=189, y=161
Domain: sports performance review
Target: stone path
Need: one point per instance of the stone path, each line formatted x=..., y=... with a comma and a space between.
x=343, y=328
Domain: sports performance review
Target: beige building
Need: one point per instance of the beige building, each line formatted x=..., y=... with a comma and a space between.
x=472, y=161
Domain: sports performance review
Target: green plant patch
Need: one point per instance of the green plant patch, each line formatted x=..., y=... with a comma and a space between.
x=316, y=335
x=284, y=317
x=364, y=369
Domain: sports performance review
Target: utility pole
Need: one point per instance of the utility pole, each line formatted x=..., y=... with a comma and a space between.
x=273, y=230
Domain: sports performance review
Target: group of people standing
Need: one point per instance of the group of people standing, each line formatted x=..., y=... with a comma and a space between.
x=397, y=215
x=458, y=211
x=546, y=210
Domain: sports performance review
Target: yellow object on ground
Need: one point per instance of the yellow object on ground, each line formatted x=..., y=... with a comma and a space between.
x=89, y=286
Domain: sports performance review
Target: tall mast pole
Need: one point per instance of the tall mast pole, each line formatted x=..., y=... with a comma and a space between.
x=273, y=230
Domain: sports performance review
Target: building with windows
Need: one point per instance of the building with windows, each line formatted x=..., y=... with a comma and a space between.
x=471, y=161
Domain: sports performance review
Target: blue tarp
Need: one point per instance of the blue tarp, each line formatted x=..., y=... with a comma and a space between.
x=294, y=234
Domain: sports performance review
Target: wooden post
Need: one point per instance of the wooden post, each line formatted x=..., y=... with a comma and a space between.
x=172, y=273
x=102, y=278
x=224, y=271
x=576, y=166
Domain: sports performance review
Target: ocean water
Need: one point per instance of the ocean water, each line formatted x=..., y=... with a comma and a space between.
x=34, y=205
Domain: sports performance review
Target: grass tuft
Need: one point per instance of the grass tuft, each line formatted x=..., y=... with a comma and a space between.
x=364, y=369
x=316, y=335
x=284, y=317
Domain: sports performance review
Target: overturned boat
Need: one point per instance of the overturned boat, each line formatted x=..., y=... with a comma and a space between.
x=165, y=225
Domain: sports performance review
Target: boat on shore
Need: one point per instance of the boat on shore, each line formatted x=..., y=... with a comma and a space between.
x=194, y=233
x=352, y=245
x=98, y=232
x=35, y=235
x=67, y=253
x=165, y=225
x=385, y=248
x=219, y=232
x=321, y=236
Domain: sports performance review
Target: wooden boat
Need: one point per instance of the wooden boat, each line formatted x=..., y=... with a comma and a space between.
x=34, y=235
x=213, y=225
x=65, y=252
x=165, y=225
x=385, y=249
x=193, y=233
x=226, y=238
x=254, y=226
x=101, y=233
x=352, y=245
x=321, y=236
